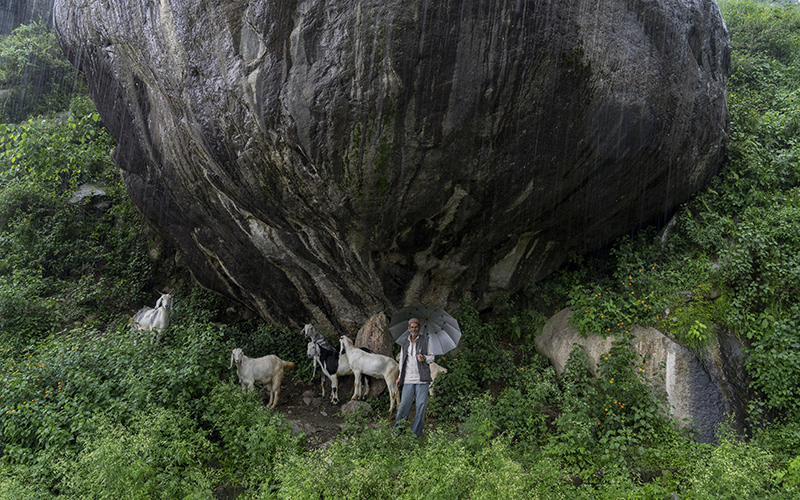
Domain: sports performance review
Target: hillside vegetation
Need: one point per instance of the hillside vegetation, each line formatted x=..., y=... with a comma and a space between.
x=89, y=409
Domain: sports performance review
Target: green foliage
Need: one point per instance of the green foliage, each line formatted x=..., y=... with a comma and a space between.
x=35, y=73
x=631, y=299
x=51, y=394
x=774, y=362
x=382, y=465
x=520, y=411
x=612, y=419
x=252, y=438
x=24, y=313
x=363, y=466
x=161, y=454
x=478, y=361
x=731, y=470
x=56, y=153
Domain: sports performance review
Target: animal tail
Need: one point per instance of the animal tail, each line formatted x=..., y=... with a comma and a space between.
x=288, y=365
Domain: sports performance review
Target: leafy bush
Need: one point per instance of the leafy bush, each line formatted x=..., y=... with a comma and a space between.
x=251, y=437
x=478, y=361
x=50, y=394
x=612, y=419
x=57, y=154
x=632, y=299
x=24, y=313
x=731, y=470
x=362, y=466
x=160, y=454
x=774, y=362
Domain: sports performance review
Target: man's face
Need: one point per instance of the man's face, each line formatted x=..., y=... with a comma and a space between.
x=413, y=328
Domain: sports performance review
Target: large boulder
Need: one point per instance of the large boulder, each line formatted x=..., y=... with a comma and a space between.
x=702, y=390
x=324, y=161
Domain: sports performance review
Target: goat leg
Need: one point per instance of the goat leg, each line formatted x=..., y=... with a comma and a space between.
x=335, y=389
x=357, y=383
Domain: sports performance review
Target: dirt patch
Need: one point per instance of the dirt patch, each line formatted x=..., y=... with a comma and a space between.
x=301, y=402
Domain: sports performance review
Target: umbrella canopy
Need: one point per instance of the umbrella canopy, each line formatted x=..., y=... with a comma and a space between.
x=442, y=328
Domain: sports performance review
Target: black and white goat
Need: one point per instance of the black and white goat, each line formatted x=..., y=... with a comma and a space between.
x=332, y=364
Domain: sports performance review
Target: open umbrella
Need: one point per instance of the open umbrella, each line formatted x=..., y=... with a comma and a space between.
x=435, y=322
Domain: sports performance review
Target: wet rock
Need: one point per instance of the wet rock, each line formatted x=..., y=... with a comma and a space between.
x=355, y=406
x=310, y=398
x=323, y=161
x=702, y=389
x=99, y=201
x=375, y=335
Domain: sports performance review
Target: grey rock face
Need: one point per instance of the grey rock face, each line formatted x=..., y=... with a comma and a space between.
x=701, y=389
x=324, y=161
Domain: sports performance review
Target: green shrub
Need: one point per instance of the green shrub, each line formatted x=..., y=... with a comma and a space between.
x=774, y=362
x=25, y=315
x=51, y=393
x=613, y=419
x=733, y=469
x=365, y=466
x=479, y=361
x=251, y=437
x=160, y=454
x=56, y=154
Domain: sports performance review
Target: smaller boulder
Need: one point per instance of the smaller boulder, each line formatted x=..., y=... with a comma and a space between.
x=701, y=390
x=354, y=406
x=375, y=336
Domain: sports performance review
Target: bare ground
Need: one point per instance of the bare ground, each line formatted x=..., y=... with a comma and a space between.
x=302, y=403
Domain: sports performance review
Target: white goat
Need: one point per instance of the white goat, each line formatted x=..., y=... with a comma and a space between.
x=374, y=365
x=268, y=370
x=435, y=371
x=154, y=320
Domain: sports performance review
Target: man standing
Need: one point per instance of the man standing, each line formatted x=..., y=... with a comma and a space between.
x=415, y=376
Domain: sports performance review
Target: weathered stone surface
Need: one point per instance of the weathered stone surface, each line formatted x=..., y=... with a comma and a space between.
x=324, y=161
x=702, y=389
x=375, y=335
x=355, y=406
